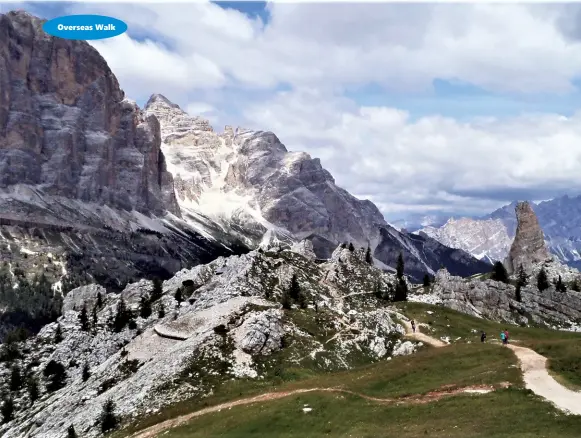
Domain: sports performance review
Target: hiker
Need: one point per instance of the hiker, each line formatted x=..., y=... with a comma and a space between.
x=503, y=338
x=413, y=326
x=506, y=336
x=483, y=337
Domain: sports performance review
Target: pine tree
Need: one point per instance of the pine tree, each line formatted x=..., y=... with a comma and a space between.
x=71, y=433
x=294, y=288
x=94, y=317
x=178, y=296
x=368, y=257
x=160, y=310
x=122, y=316
x=86, y=373
x=401, y=290
x=399, y=269
x=344, y=245
x=302, y=300
x=157, y=291
x=108, y=418
x=499, y=273
x=58, y=334
x=521, y=277
x=15, y=378
x=55, y=375
x=351, y=247
x=427, y=281
x=84, y=319
x=542, y=280
x=7, y=409
x=518, y=293
x=144, y=308
x=378, y=292
x=285, y=300
x=32, y=389
x=560, y=286
x=99, y=303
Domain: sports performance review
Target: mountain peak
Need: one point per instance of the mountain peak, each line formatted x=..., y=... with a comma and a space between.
x=160, y=100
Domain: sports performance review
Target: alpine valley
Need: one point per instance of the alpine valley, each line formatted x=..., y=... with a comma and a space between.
x=154, y=270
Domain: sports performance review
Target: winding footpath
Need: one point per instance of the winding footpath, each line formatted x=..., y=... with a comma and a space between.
x=532, y=364
x=535, y=374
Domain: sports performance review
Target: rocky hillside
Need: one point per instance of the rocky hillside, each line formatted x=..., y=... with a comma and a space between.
x=490, y=236
x=85, y=194
x=248, y=316
x=249, y=183
x=523, y=298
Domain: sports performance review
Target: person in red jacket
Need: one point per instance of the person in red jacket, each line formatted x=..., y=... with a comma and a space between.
x=506, y=336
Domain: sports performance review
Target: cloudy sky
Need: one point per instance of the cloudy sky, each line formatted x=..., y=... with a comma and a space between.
x=420, y=108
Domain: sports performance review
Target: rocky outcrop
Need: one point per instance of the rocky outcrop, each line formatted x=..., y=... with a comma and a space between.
x=230, y=326
x=250, y=183
x=497, y=301
x=528, y=248
x=66, y=127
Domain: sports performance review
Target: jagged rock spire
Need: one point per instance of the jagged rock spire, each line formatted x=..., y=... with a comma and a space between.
x=528, y=247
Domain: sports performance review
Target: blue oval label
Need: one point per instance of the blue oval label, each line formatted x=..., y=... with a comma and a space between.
x=84, y=27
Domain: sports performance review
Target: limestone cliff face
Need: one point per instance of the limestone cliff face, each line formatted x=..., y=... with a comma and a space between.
x=66, y=128
x=254, y=186
x=528, y=247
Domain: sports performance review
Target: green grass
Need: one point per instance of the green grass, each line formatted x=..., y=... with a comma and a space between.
x=506, y=413
x=563, y=349
x=428, y=370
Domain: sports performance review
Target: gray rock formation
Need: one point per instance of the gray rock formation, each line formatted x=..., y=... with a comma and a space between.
x=528, y=248
x=497, y=301
x=66, y=128
x=255, y=188
x=83, y=180
x=231, y=327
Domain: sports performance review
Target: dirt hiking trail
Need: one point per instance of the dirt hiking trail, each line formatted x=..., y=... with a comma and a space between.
x=532, y=365
x=535, y=374
x=538, y=380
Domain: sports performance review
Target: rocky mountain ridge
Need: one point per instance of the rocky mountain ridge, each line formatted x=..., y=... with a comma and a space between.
x=249, y=183
x=231, y=324
x=490, y=236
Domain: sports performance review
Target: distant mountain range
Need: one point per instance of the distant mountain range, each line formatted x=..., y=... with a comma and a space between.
x=489, y=237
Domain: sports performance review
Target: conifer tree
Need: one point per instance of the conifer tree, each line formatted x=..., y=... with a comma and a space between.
x=542, y=280
x=285, y=300
x=401, y=290
x=84, y=319
x=58, y=334
x=55, y=375
x=302, y=300
x=15, y=378
x=368, y=257
x=122, y=317
x=32, y=389
x=560, y=286
x=157, y=291
x=344, y=245
x=351, y=247
x=99, y=302
x=7, y=409
x=108, y=418
x=427, y=281
x=178, y=296
x=499, y=273
x=521, y=277
x=399, y=269
x=294, y=288
x=86, y=373
x=144, y=308
x=71, y=433
x=94, y=317
x=161, y=310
